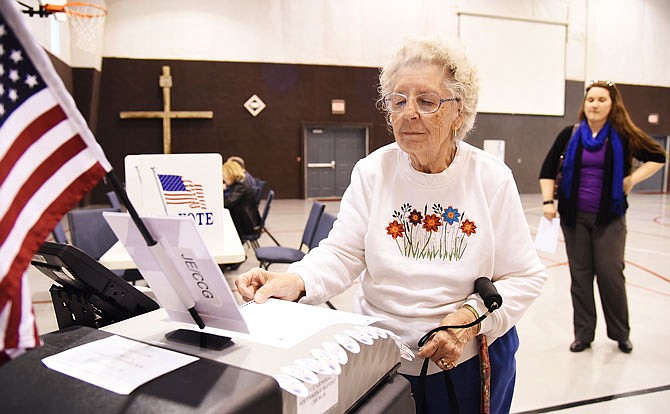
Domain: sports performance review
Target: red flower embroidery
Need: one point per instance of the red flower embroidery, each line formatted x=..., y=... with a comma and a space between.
x=468, y=227
x=431, y=222
x=395, y=229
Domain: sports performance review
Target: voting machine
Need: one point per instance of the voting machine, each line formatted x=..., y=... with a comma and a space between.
x=324, y=361
x=334, y=378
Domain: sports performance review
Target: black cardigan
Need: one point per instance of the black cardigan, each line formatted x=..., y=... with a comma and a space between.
x=567, y=208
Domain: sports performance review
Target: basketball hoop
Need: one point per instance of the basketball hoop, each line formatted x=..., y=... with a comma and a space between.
x=85, y=20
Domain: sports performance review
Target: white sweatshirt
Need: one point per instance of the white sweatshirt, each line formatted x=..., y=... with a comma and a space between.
x=450, y=228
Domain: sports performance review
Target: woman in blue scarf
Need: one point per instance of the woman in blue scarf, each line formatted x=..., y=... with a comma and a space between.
x=597, y=175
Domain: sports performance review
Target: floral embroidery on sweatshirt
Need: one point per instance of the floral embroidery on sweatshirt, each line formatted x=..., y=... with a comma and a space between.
x=442, y=233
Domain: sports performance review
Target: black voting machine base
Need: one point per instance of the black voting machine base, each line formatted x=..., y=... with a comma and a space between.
x=87, y=294
x=92, y=295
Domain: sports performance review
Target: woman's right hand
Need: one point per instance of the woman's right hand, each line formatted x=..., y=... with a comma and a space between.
x=258, y=285
x=549, y=211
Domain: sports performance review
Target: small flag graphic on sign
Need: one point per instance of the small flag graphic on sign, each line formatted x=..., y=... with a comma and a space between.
x=178, y=190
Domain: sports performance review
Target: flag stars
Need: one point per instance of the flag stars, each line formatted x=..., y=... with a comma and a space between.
x=2, y=110
x=14, y=75
x=2, y=49
x=31, y=81
x=13, y=95
x=2, y=89
x=3, y=30
x=2, y=70
x=16, y=56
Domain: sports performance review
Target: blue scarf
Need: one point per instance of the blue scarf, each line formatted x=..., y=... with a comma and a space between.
x=584, y=135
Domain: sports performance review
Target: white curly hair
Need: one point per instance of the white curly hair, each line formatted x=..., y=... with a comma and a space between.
x=462, y=79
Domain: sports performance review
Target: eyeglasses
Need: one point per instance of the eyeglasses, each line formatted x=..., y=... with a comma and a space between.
x=611, y=87
x=425, y=103
x=603, y=84
x=606, y=82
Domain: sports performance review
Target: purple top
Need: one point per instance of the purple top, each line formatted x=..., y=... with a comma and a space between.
x=591, y=180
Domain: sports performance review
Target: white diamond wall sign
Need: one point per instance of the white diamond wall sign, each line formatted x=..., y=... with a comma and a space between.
x=254, y=105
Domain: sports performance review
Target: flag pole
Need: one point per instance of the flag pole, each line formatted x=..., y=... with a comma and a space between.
x=123, y=196
x=177, y=284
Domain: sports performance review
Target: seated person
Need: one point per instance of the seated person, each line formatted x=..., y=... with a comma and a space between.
x=240, y=199
x=247, y=176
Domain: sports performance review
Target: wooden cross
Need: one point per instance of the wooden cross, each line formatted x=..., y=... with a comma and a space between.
x=166, y=114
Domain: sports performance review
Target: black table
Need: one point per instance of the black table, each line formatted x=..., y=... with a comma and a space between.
x=204, y=386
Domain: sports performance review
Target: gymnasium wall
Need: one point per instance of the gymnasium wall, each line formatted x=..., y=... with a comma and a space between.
x=295, y=94
x=297, y=55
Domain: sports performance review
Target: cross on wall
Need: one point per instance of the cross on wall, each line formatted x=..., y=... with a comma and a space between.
x=166, y=114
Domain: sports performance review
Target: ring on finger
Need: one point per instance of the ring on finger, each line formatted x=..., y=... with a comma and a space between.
x=447, y=365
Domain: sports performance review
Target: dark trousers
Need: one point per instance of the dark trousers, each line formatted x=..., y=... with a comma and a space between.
x=466, y=379
x=597, y=251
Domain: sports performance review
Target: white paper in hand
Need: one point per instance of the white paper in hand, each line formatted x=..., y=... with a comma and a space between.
x=547, y=235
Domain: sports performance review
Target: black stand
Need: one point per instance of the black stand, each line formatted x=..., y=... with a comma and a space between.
x=200, y=339
x=75, y=308
x=72, y=308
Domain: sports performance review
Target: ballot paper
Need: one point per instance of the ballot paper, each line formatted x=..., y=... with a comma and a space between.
x=546, y=238
x=117, y=364
x=273, y=322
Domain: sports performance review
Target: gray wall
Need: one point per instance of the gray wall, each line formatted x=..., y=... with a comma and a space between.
x=527, y=137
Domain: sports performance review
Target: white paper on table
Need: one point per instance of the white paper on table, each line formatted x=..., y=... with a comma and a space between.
x=274, y=322
x=117, y=364
x=546, y=238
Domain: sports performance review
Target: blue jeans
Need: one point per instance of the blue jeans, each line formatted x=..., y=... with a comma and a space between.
x=466, y=381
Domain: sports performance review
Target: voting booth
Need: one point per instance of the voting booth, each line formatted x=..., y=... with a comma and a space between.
x=188, y=185
x=180, y=185
x=323, y=360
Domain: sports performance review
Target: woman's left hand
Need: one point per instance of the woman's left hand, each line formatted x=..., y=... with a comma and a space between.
x=628, y=184
x=640, y=174
x=445, y=347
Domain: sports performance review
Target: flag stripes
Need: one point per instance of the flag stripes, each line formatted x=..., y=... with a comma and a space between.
x=49, y=159
x=178, y=190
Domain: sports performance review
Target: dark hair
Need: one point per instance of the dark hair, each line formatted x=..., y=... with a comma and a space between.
x=636, y=138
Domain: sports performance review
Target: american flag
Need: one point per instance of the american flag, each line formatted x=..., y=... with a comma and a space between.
x=48, y=160
x=178, y=190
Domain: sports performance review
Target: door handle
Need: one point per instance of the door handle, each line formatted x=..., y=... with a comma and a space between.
x=330, y=165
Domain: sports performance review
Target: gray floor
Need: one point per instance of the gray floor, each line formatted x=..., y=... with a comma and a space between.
x=549, y=378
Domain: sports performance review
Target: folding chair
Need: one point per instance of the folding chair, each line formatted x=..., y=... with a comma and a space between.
x=90, y=233
x=58, y=234
x=260, y=186
x=252, y=239
x=282, y=254
x=114, y=200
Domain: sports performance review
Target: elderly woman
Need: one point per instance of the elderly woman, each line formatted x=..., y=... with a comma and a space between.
x=422, y=219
